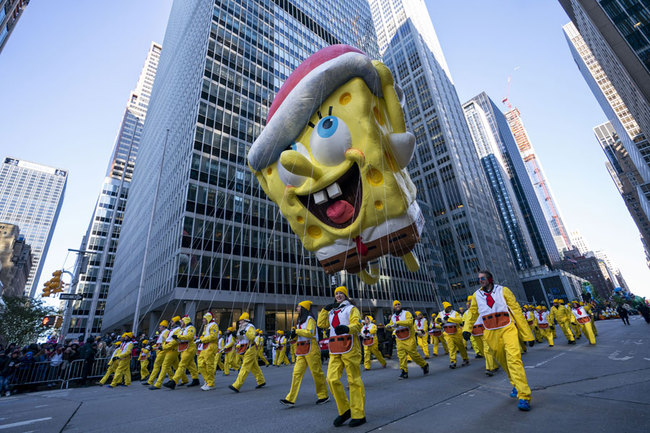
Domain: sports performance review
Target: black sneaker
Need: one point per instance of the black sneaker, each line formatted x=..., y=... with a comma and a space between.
x=338, y=422
x=323, y=400
x=478, y=356
x=152, y=387
x=233, y=388
x=572, y=342
x=425, y=370
x=452, y=365
x=144, y=383
x=195, y=382
x=261, y=385
x=287, y=403
x=465, y=362
x=170, y=384
x=404, y=375
x=489, y=373
x=356, y=422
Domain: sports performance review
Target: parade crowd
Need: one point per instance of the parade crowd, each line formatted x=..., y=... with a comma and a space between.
x=498, y=328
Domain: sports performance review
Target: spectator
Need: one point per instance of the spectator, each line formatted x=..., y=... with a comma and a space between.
x=4, y=373
x=622, y=312
x=87, y=353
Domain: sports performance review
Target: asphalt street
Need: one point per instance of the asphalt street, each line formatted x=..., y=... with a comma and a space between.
x=600, y=388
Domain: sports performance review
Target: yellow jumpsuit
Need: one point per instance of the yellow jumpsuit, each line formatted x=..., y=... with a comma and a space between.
x=504, y=341
x=280, y=351
x=349, y=316
x=455, y=342
x=206, y=359
x=160, y=356
x=421, y=327
x=217, y=355
x=542, y=320
x=112, y=366
x=187, y=362
x=308, y=334
x=476, y=346
x=259, y=342
x=229, y=353
x=406, y=347
x=144, y=363
x=532, y=323
x=437, y=339
x=484, y=349
x=581, y=314
x=372, y=349
x=593, y=321
x=292, y=349
x=563, y=318
x=124, y=365
x=249, y=363
x=170, y=357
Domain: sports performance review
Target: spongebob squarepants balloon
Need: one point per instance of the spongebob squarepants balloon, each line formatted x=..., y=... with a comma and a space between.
x=333, y=157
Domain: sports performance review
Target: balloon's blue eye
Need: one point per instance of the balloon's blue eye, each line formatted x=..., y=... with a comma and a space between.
x=327, y=126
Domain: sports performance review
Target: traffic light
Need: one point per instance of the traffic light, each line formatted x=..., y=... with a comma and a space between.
x=46, y=289
x=56, y=286
x=48, y=321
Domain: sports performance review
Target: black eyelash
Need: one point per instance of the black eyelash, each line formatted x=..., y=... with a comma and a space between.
x=311, y=124
x=320, y=116
x=330, y=111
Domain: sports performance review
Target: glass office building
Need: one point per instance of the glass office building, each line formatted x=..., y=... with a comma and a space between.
x=10, y=12
x=31, y=196
x=216, y=242
x=103, y=232
x=494, y=166
x=543, y=246
x=446, y=169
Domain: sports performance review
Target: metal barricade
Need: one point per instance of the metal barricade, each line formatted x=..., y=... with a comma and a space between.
x=99, y=367
x=38, y=373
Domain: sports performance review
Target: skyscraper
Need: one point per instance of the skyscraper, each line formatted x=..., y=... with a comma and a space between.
x=627, y=179
x=103, y=232
x=446, y=169
x=537, y=177
x=215, y=240
x=10, y=12
x=609, y=38
x=494, y=166
x=579, y=242
x=31, y=196
x=544, y=247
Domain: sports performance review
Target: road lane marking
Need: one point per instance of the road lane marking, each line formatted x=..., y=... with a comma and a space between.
x=614, y=356
x=29, y=421
x=539, y=364
x=41, y=405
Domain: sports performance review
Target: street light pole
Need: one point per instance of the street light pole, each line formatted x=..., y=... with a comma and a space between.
x=79, y=264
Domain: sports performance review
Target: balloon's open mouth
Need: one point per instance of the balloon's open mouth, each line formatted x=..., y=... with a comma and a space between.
x=338, y=204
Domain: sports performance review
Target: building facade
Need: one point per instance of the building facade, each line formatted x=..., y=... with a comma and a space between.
x=15, y=261
x=608, y=39
x=537, y=177
x=627, y=179
x=10, y=12
x=537, y=227
x=446, y=170
x=31, y=196
x=542, y=285
x=215, y=241
x=496, y=171
x=589, y=268
x=103, y=232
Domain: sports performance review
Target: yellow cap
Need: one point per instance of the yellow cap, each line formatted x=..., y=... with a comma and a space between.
x=469, y=298
x=582, y=303
x=417, y=313
x=561, y=301
x=305, y=304
x=370, y=318
x=176, y=319
x=538, y=308
x=395, y=302
x=164, y=323
x=117, y=343
x=433, y=314
x=280, y=332
x=127, y=335
x=231, y=329
x=244, y=316
x=259, y=331
x=186, y=319
x=343, y=290
x=208, y=316
x=446, y=304
x=544, y=307
x=145, y=341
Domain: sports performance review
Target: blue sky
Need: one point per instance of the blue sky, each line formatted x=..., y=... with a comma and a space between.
x=69, y=66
